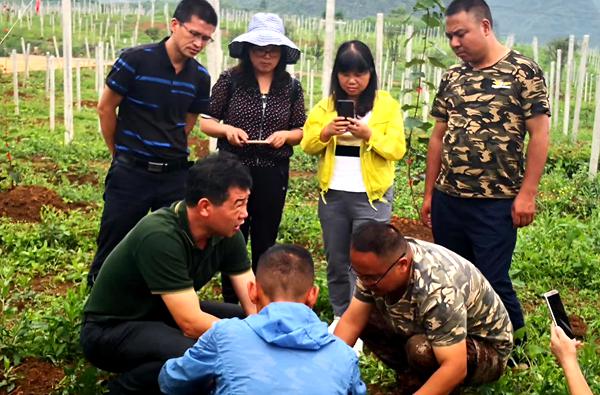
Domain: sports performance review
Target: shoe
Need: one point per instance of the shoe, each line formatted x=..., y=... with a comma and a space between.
x=358, y=347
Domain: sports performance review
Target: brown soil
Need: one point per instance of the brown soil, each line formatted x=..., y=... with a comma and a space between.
x=301, y=174
x=46, y=165
x=578, y=325
x=412, y=228
x=200, y=146
x=47, y=285
x=89, y=103
x=36, y=377
x=24, y=203
x=81, y=179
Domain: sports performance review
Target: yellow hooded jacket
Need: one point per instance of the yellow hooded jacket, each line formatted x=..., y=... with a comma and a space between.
x=377, y=156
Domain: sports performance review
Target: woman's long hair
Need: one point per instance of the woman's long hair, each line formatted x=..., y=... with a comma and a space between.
x=354, y=56
x=244, y=71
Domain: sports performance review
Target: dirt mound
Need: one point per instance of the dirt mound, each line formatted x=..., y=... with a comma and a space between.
x=24, y=203
x=578, y=325
x=412, y=228
x=36, y=377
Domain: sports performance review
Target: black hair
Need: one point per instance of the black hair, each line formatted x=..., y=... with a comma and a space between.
x=379, y=238
x=479, y=8
x=285, y=270
x=212, y=177
x=198, y=8
x=355, y=56
x=244, y=71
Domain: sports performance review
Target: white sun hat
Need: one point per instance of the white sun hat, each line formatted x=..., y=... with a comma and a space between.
x=265, y=29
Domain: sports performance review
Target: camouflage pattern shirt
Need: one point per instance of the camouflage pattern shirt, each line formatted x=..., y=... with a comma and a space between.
x=447, y=298
x=486, y=109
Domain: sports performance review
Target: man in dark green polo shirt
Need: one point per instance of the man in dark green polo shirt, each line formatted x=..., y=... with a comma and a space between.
x=143, y=308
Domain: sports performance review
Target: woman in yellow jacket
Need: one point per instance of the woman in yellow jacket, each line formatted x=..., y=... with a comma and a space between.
x=356, y=160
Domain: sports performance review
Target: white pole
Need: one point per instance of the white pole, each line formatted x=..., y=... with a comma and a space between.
x=167, y=19
x=100, y=75
x=56, y=51
x=214, y=51
x=13, y=55
x=42, y=20
x=534, y=44
x=78, y=80
x=551, y=85
x=556, y=108
x=52, y=94
x=311, y=87
x=47, y=91
x=379, y=47
x=593, y=167
x=27, y=51
x=152, y=15
x=580, y=82
x=68, y=69
x=567, y=112
x=328, y=48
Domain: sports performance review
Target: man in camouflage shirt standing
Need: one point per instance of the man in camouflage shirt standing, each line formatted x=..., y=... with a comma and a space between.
x=420, y=307
x=479, y=187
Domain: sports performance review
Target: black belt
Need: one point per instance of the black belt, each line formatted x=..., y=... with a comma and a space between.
x=347, y=150
x=152, y=166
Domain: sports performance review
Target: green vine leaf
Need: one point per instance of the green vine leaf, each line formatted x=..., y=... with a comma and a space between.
x=436, y=62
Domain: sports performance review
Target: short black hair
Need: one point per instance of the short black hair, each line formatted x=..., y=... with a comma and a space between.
x=379, y=238
x=212, y=177
x=479, y=8
x=285, y=271
x=355, y=56
x=198, y=8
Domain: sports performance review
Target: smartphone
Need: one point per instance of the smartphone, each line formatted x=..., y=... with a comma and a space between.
x=345, y=108
x=256, y=142
x=558, y=313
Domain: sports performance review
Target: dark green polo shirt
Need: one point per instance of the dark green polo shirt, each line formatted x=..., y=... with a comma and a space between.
x=158, y=256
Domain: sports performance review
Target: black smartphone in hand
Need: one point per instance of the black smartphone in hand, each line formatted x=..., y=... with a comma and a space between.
x=558, y=313
x=345, y=108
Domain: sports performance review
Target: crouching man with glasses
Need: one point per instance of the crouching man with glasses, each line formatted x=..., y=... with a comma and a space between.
x=425, y=311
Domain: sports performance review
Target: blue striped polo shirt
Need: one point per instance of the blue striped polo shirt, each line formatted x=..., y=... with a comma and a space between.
x=151, y=116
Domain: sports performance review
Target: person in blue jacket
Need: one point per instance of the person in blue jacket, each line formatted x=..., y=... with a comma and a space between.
x=283, y=349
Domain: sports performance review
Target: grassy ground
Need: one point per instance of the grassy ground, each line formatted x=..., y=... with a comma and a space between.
x=43, y=265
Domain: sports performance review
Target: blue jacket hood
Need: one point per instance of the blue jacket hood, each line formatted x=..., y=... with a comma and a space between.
x=290, y=325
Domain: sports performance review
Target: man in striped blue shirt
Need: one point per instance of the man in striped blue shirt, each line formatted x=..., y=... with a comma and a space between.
x=152, y=99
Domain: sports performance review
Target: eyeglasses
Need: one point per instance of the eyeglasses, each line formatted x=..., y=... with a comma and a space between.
x=271, y=50
x=197, y=35
x=374, y=279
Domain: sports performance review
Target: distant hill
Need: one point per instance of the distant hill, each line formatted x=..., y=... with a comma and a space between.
x=546, y=19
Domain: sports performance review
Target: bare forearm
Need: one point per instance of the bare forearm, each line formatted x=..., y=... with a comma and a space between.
x=190, y=122
x=213, y=128
x=443, y=381
x=575, y=379
x=201, y=324
x=537, y=152
x=108, y=125
x=434, y=159
x=294, y=137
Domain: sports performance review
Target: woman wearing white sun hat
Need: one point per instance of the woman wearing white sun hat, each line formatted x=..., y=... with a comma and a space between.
x=256, y=111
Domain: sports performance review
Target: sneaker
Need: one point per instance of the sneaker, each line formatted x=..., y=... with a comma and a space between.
x=358, y=347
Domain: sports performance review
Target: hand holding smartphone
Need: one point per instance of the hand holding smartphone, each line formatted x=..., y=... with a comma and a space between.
x=558, y=313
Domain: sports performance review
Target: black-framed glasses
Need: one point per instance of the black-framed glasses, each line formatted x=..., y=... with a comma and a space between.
x=270, y=50
x=197, y=35
x=373, y=279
